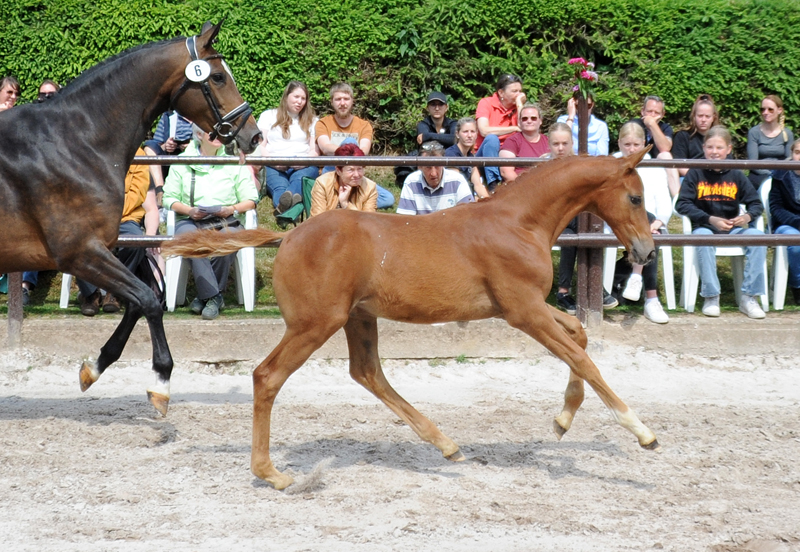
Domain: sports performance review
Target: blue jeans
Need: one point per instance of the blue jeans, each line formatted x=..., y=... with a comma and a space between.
x=290, y=179
x=753, y=283
x=794, y=256
x=490, y=148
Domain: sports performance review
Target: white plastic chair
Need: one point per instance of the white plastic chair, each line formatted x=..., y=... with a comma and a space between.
x=691, y=277
x=664, y=253
x=177, y=273
x=66, y=286
x=780, y=260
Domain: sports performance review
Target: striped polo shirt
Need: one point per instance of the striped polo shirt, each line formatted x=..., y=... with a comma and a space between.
x=418, y=198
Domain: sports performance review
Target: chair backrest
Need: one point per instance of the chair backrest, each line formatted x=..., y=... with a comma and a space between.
x=763, y=193
x=308, y=185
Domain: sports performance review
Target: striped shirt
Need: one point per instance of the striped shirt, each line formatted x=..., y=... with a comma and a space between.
x=418, y=198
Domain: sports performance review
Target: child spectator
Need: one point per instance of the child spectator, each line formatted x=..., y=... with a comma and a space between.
x=784, y=207
x=711, y=199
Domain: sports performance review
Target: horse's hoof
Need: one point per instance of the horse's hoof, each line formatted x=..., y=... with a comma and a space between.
x=652, y=445
x=558, y=429
x=277, y=479
x=457, y=456
x=160, y=402
x=88, y=375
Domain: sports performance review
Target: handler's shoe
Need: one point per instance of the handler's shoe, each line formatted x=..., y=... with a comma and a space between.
x=633, y=289
x=654, y=312
x=89, y=305
x=213, y=306
x=197, y=305
x=749, y=306
x=711, y=306
x=110, y=303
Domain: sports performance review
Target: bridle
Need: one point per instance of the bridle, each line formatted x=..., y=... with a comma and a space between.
x=224, y=127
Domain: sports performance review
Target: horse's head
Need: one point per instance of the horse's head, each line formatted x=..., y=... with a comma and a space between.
x=621, y=205
x=208, y=95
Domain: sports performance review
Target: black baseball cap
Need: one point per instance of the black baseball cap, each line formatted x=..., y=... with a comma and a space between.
x=437, y=97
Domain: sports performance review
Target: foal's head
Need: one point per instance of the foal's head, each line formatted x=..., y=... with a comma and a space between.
x=208, y=95
x=621, y=204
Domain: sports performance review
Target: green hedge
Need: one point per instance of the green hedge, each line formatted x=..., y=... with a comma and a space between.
x=394, y=51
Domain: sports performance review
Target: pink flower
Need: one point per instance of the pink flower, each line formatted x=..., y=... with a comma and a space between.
x=589, y=75
x=590, y=65
x=578, y=61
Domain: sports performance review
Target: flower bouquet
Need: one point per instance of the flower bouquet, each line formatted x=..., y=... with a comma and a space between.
x=584, y=75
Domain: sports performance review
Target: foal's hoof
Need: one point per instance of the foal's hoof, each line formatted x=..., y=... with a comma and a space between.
x=558, y=429
x=275, y=478
x=87, y=375
x=457, y=456
x=652, y=445
x=159, y=401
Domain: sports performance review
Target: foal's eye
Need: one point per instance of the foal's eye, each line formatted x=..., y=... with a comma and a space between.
x=636, y=200
x=218, y=78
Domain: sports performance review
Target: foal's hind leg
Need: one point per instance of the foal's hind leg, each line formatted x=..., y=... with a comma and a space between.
x=573, y=396
x=365, y=368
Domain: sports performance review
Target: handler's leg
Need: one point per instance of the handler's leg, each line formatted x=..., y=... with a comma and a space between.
x=365, y=368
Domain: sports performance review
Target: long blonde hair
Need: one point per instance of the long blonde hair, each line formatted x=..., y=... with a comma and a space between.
x=304, y=118
x=782, y=117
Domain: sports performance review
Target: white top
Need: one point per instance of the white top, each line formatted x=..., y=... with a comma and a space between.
x=656, y=190
x=298, y=144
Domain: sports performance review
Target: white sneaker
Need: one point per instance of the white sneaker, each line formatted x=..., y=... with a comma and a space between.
x=749, y=306
x=711, y=306
x=633, y=289
x=654, y=312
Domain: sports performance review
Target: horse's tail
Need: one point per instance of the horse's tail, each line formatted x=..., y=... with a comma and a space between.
x=210, y=243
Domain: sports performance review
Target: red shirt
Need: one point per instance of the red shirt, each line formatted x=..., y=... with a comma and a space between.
x=520, y=147
x=498, y=116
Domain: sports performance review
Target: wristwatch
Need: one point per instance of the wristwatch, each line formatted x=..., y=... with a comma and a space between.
x=235, y=212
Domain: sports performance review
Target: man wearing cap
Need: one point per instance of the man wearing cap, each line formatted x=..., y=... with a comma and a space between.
x=431, y=189
x=436, y=126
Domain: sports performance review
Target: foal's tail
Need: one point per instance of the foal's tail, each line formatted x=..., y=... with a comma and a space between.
x=210, y=243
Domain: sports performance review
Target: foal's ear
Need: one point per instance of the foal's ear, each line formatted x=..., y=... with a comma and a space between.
x=208, y=35
x=633, y=160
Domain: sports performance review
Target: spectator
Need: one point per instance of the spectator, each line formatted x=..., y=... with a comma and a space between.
x=9, y=92
x=47, y=90
x=431, y=189
x=658, y=204
x=497, y=119
x=209, y=196
x=288, y=132
x=528, y=142
x=711, y=199
x=688, y=144
x=139, y=208
x=658, y=134
x=561, y=145
x=770, y=139
x=466, y=135
x=332, y=131
x=172, y=135
x=345, y=187
x=436, y=126
x=598, y=129
x=784, y=207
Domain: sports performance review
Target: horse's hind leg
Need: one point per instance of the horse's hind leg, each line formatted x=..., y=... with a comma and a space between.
x=365, y=368
x=290, y=354
x=573, y=396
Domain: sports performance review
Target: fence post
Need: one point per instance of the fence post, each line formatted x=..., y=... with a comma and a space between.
x=589, y=293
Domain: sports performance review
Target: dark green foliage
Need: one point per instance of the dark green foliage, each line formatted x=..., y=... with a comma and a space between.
x=394, y=52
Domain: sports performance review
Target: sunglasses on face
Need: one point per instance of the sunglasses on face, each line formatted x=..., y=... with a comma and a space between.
x=44, y=96
x=529, y=118
x=768, y=109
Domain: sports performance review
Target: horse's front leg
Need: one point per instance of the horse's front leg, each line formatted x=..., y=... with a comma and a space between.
x=104, y=270
x=573, y=396
x=535, y=319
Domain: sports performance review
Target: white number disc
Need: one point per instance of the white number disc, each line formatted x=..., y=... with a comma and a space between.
x=198, y=70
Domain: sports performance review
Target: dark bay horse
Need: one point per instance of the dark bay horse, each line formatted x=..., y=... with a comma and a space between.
x=63, y=164
x=479, y=260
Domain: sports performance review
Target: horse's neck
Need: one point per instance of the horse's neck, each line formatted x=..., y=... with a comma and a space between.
x=555, y=200
x=125, y=97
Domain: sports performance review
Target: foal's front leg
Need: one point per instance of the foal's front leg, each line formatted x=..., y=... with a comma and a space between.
x=536, y=320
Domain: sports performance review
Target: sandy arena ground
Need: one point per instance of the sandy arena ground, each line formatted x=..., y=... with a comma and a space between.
x=101, y=471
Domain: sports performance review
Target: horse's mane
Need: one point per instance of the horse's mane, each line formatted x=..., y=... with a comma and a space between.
x=539, y=174
x=89, y=73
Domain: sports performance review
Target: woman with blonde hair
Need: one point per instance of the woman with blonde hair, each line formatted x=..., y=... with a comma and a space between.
x=288, y=131
x=688, y=144
x=658, y=205
x=769, y=139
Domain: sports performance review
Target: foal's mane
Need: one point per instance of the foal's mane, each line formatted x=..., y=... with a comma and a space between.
x=539, y=175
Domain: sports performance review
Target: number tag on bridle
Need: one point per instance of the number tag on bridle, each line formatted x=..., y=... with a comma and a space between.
x=198, y=70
